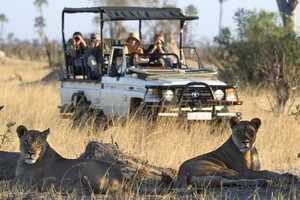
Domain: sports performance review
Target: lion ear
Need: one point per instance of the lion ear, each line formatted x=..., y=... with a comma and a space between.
x=21, y=130
x=234, y=121
x=45, y=133
x=256, y=122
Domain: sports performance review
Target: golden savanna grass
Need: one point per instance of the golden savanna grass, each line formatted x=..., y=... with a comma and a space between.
x=165, y=144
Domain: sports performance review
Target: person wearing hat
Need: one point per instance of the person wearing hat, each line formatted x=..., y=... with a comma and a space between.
x=158, y=44
x=76, y=45
x=95, y=40
x=157, y=47
x=132, y=45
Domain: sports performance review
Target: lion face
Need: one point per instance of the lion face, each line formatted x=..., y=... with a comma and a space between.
x=33, y=144
x=244, y=133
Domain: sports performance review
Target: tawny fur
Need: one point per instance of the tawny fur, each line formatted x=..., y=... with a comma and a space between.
x=45, y=167
x=237, y=158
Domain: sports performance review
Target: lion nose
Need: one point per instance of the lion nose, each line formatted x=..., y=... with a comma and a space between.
x=30, y=153
x=246, y=143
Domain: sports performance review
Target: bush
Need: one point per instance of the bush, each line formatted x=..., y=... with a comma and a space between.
x=262, y=53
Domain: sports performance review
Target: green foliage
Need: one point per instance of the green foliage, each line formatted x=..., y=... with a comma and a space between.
x=191, y=10
x=262, y=53
x=40, y=3
x=261, y=43
x=40, y=24
x=3, y=20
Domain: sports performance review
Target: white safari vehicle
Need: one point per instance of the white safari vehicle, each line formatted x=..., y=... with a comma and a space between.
x=165, y=85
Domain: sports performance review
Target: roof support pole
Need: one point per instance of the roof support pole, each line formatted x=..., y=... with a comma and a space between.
x=180, y=41
x=140, y=29
x=101, y=34
x=64, y=43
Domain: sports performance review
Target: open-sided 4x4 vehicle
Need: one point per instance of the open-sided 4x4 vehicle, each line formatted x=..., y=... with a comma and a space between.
x=164, y=85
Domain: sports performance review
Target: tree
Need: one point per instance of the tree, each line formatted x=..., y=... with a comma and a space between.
x=221, y=15
x=3, y=20
x=190, y=10
x=40, y=4
x=287, y=10
x=263, y=54
x=40, y=22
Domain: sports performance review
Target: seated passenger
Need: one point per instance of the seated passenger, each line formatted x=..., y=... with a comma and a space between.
x=76, y=45
x=95, y=46
x=95, y=41
x=132, y=46
x=157, y=47
x=95, y=49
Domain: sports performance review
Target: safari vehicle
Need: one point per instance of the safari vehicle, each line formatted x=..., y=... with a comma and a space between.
x=166, y=87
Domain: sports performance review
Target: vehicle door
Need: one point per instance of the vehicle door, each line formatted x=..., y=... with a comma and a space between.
x=114, y=95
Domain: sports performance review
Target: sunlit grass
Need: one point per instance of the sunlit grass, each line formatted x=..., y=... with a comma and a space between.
x=165, y=144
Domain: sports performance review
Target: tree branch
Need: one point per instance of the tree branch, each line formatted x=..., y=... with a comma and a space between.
x=283, y=5
x=293, y=4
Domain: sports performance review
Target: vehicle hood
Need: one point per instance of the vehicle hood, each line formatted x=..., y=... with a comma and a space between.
x=184, y=81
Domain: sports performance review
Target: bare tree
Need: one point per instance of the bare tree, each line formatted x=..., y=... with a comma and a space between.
x=3, y=20
x=40, y=24
x=221, y=15
x=190, y=10
x=287, y=10
x=40, y=20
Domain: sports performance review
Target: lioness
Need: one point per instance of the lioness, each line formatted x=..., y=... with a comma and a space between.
x=236, y=159
x=40, y=165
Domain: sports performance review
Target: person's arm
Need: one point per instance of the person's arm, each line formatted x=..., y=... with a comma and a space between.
x=151, y=49
x=82, y=41
x=161, y=49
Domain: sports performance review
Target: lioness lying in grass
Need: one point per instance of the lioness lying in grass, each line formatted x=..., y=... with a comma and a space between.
x=40, y=165
x=237, y=158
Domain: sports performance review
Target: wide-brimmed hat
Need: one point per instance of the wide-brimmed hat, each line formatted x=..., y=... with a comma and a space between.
x=134, y=35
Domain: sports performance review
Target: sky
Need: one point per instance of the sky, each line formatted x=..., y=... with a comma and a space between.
x=21, y=14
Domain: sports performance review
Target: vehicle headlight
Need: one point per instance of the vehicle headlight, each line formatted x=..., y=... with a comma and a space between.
x=231, y=95
x=168, y=95
x=219, y=94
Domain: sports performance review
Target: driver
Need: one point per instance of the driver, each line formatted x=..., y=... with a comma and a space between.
x=76, y=45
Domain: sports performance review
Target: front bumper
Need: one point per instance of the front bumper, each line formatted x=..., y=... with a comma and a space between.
x=200, y=115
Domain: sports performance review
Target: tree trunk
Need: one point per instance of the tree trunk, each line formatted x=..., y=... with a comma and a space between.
x=221, y=17
x=136, y=171
x=287, y=10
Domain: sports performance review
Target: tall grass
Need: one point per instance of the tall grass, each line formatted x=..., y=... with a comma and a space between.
x=166, y=144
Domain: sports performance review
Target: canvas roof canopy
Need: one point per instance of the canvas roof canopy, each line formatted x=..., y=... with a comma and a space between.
x=134, y=13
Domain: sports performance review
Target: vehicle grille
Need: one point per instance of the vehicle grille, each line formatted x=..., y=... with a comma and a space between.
x=194, y=95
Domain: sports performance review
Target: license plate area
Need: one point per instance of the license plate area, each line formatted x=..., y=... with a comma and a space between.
x=199, y=116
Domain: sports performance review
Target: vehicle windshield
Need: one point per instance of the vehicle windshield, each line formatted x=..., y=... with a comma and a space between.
x=191, y=58
x=159, y=61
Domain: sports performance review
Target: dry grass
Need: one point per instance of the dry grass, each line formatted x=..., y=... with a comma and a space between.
x=166, y=144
